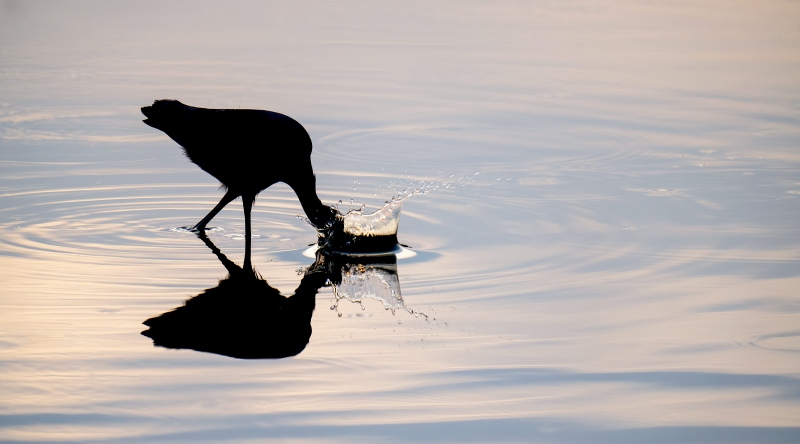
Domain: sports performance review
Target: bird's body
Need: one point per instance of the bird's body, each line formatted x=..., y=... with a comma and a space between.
x=246, y=150
x=242, y=148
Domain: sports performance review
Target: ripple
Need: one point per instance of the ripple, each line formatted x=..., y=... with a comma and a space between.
x=785, y=341
x=134, y=221
x=536, y=181
x=663, y=192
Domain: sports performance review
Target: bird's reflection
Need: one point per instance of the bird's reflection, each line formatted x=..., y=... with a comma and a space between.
x=244, y=317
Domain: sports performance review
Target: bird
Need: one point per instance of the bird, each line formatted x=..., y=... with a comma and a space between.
x=247, y=151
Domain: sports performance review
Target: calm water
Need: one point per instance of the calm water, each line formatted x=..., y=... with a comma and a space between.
x=609, y=251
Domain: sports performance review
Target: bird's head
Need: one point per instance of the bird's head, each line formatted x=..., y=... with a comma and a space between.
x=161, y=110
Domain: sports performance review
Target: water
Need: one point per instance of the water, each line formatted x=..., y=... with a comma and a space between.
x=374, y=280
x=383, y=222
x=611, y=253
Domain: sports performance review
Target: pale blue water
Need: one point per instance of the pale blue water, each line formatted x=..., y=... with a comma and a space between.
x=609, y=252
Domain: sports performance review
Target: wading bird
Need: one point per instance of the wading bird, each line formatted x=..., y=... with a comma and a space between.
x=247, y=151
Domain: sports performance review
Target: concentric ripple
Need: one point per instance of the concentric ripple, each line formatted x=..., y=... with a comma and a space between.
x=135, y=220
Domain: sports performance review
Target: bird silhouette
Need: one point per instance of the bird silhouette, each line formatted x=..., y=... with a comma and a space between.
x=247, y=151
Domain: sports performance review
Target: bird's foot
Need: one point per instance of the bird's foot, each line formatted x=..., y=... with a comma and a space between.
x=183, y=229
x=202, y=230
x=199, y=229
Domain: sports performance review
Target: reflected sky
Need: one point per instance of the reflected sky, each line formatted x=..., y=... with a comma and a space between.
x=609, y=242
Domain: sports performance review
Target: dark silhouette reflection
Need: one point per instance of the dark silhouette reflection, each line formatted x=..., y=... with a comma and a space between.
x=247, y=151
x=244, y=317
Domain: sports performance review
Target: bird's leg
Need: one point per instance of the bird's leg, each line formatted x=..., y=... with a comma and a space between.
x=247, y=201
x=226, y=199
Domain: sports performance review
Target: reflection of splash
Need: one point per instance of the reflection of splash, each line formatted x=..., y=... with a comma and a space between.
x=375, y=281
x=355, y=279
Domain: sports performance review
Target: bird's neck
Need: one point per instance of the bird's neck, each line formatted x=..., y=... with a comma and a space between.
x=318, y=213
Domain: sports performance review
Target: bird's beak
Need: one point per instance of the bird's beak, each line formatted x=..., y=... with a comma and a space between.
x=147, y=111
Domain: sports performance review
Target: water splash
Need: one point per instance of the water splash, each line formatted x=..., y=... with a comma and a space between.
x=191, y=230
x=383, y=222
x=359, y=232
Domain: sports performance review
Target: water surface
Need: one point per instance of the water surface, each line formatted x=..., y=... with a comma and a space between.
x=609, y=251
